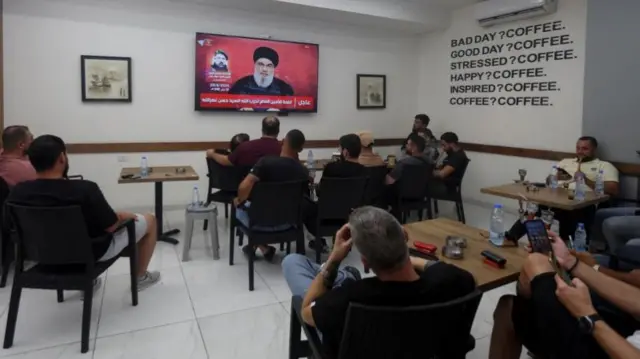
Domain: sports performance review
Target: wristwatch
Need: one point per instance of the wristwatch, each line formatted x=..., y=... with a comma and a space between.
x=587, y=323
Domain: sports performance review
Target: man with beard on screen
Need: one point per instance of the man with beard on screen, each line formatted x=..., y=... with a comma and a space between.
x=219, y=62
x=263, y=80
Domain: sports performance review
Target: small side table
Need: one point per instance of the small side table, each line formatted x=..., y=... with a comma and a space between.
x=193, y=213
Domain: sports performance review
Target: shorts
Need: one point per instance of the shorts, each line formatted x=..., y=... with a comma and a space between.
x=545, y=326
x=120, y=239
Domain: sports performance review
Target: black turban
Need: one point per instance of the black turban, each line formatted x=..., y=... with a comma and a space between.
x=266, y=53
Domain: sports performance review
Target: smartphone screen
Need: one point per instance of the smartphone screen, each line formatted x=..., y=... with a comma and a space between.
x=538, y=236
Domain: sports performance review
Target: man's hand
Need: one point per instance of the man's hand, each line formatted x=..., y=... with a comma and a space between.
x=584, y=257
x=565, y=259
x=123, y=216
x=342, y=246
x=576, y=299
x=236, y=202
x=210, y=153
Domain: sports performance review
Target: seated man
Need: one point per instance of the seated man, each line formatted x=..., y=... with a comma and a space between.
x=555, y=320
x=237, y=140
x=285, y=167
x=585, y=163
x=452, y=169
x=348, y=166
x=248, y=153
x=48, y=155
x=367, y=158
x=400, y=280
x=416, y=157
x=14, y=163
x=616, y=226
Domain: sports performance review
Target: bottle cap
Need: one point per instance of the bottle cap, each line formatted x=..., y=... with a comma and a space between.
x=497, y=205
x=581, y=225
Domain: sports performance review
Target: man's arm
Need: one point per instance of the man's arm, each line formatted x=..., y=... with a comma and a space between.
x=221, y=159
x=445, y=172
x=613, y=344
x=613, y=290
x=632, y=278
x=611, y=188
x=394, y=175
x=244, y=190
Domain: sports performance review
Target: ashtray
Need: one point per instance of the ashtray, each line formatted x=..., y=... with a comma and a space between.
x=453, y=252
x=453, y=241
x=181, y=170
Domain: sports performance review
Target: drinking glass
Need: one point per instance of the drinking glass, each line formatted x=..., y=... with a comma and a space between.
x=547, y=218
x=532, y=210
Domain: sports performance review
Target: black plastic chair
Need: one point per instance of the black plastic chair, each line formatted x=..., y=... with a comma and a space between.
x=6, y=246
x=272, y=204
x=338, y=198
x=431, y=331
x=454, y=194
x=223, y=184
x=412, y=191
x=56, y=239
x=374, y=194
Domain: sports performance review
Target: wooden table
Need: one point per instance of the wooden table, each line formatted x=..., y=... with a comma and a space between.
x=159, y=175
x=436, y=231
x=558, y=198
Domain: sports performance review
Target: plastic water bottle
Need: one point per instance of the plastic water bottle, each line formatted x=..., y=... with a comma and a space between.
x=310, y=163
x=496, y=227
x=580, y=188
x=553, y=178
x=599, y=187
x=195, y=200
x=580, y=239
x=144, y=167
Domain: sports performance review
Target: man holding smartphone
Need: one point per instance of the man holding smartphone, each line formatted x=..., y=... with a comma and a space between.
x=400, y=280
x=556, y=320
x=587, y=164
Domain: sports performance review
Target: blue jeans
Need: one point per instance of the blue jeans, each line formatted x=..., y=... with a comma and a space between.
x=603, y=259
x=616, y=226
x=300, y=271
x=243, y=217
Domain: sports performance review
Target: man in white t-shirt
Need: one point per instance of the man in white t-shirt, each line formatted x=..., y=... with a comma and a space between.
x=589, y=165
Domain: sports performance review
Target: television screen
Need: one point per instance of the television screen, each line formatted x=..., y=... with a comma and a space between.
x=247, y=74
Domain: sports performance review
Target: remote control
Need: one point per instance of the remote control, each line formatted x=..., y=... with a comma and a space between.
x=490, y=256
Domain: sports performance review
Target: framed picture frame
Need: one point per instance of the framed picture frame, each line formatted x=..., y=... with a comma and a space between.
x=106, y=78
x=372, y=91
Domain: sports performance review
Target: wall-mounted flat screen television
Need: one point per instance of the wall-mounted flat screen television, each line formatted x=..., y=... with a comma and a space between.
x=251, y=74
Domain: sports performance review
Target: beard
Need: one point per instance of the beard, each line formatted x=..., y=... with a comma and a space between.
x=263, y=82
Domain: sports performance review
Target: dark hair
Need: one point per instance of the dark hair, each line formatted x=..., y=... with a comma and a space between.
x=45, y=151
x=296, y=140
x=592, y=140
x=418, y=141
x=449, y=137
x=13, y=135
x=352, y=144
x=236, y=140
x=270, y=126
x=423, y=118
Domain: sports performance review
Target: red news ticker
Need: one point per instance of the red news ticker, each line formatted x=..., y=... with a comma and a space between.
x=257, y=101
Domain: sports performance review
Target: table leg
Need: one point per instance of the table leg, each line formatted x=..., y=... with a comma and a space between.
x=163, y=236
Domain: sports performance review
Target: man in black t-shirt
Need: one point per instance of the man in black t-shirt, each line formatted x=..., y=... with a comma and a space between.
x=286, y=167
x=48, y=155
x=348, y=166
x=450, y=173
x=400, y=280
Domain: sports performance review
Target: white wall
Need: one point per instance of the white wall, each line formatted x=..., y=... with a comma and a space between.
x=43, y=41
x=546, y=127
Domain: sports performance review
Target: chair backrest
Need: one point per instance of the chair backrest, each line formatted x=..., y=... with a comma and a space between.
x=51, y=235
x=226, y=178
x=276, y=203
x=414, y=180
x=432, y=331
x=4, y=194
x=375, y=186
x=340, y=196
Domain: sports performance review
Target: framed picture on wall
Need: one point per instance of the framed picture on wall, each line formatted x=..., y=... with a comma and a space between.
x=372, y=91
x=106, y=78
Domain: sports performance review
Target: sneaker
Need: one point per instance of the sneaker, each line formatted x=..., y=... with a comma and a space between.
x=353, y=271
x=248, y=250
x=269, y=254
x=147, y=280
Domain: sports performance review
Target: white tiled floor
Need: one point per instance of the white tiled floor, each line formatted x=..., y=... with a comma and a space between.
x=201, y=309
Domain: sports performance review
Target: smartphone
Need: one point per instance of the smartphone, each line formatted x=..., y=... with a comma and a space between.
x=538, y=236
x=540, y=243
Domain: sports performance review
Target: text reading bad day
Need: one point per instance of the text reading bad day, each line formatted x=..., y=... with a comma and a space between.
x=509, y=34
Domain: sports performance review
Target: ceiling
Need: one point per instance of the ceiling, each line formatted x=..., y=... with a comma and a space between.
x=406, y=16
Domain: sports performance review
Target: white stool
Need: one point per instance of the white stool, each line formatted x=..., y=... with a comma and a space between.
x=192, y=214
